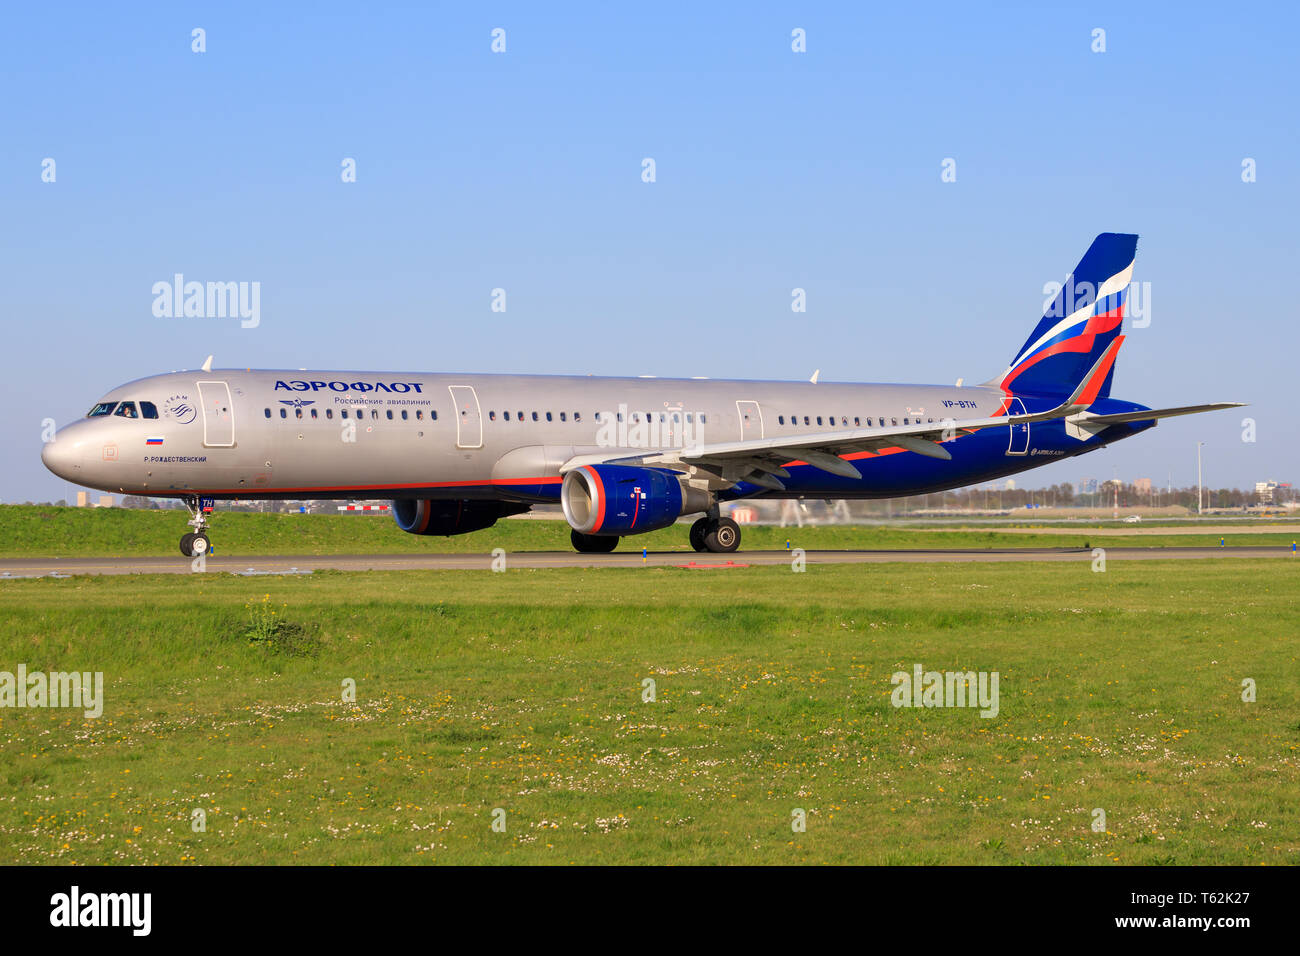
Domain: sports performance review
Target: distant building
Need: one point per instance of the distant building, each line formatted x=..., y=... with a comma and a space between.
x=1142, y=485
x=1264, y=491
x=1087, y=486
x=1011, y=484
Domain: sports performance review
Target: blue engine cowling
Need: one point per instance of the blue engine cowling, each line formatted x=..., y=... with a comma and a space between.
x=620, y=499
x=425, y=516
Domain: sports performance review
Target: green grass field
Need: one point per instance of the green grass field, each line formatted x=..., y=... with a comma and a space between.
x=68, y=532
x=523, y=691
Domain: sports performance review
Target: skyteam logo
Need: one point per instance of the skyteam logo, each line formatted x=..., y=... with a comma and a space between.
x=180, y=408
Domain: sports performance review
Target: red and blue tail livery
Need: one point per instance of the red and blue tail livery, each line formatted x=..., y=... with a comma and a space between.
x=1080, y=324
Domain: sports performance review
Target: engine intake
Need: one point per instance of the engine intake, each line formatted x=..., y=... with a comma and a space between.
x=441, y=517
x=622, y=500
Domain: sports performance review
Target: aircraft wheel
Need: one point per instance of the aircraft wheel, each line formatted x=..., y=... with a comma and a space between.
x=723, y=536
x=187, y=541
x=698, y=531
x=593, y=543
x=199, y=544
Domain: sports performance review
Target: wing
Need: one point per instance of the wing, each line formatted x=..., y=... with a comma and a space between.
x=761, y=461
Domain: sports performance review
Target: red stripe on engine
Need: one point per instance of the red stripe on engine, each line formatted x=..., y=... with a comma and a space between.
x=600, y=493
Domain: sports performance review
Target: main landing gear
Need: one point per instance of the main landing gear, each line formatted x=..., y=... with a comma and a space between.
x=195, y=542
x=720, y=535
x=593, y=543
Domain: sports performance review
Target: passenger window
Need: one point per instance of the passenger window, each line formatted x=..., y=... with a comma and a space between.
x=433, y=415
x=548, y=416
x=534, y=416
x=894, y=422
x=403, y=414
x=819, y=419
x=577, y=416
x=492, y=416
x=268, y=412
x=389, y=414
x=297, y=413
x=374, y=414
x=148, y=410
x=329, y=413
x=856, y=423
x=344, y=412
x=313, y=413
x=126, y=410
x=780, y=419
x=562, y=418
x=419, y=415
x=103, y=408
x=284, y=413
x=702, y=419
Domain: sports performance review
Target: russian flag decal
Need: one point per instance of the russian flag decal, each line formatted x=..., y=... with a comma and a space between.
x=153, y=441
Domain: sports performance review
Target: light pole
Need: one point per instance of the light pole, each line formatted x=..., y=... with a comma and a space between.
x=1198, y=476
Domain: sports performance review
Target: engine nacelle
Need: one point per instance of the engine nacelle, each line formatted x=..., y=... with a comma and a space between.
x=621, y=499
x=431, y=516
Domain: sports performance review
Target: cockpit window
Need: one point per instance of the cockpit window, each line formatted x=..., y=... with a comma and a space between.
x=103, y=408
x=126, y=410
x=148, y=410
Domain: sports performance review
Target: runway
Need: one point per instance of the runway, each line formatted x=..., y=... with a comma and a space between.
x=14, y=568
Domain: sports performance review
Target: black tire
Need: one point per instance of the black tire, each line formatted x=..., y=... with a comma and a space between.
x=593, y=543
x=723, y=536
x=187, y=540
x=199, y=544
x=698, y=531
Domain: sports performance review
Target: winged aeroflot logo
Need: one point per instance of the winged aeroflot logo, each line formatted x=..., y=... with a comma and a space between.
x=297, y=402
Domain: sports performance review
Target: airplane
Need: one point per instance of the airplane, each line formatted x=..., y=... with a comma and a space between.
x=623, y=456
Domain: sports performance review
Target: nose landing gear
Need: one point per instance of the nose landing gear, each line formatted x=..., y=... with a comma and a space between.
x=195, y=542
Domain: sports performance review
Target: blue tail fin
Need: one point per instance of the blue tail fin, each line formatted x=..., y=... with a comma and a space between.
x=1080, y=324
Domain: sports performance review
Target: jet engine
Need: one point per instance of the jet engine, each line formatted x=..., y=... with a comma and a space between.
x=621, y=499
x=431, y=516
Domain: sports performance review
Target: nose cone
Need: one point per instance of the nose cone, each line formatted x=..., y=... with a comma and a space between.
x=62, y=455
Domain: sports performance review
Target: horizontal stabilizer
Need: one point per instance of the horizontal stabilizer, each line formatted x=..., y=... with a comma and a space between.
x=1146, y=415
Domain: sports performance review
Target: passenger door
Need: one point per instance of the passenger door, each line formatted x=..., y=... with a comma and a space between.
x=469, y=419
x=218, y=415
x=1018, y=443
x=751, y=420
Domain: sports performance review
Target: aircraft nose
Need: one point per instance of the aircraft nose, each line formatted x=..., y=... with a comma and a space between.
x=63, y=458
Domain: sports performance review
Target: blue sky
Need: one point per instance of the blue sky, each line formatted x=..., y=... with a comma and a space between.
x=775, y=170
